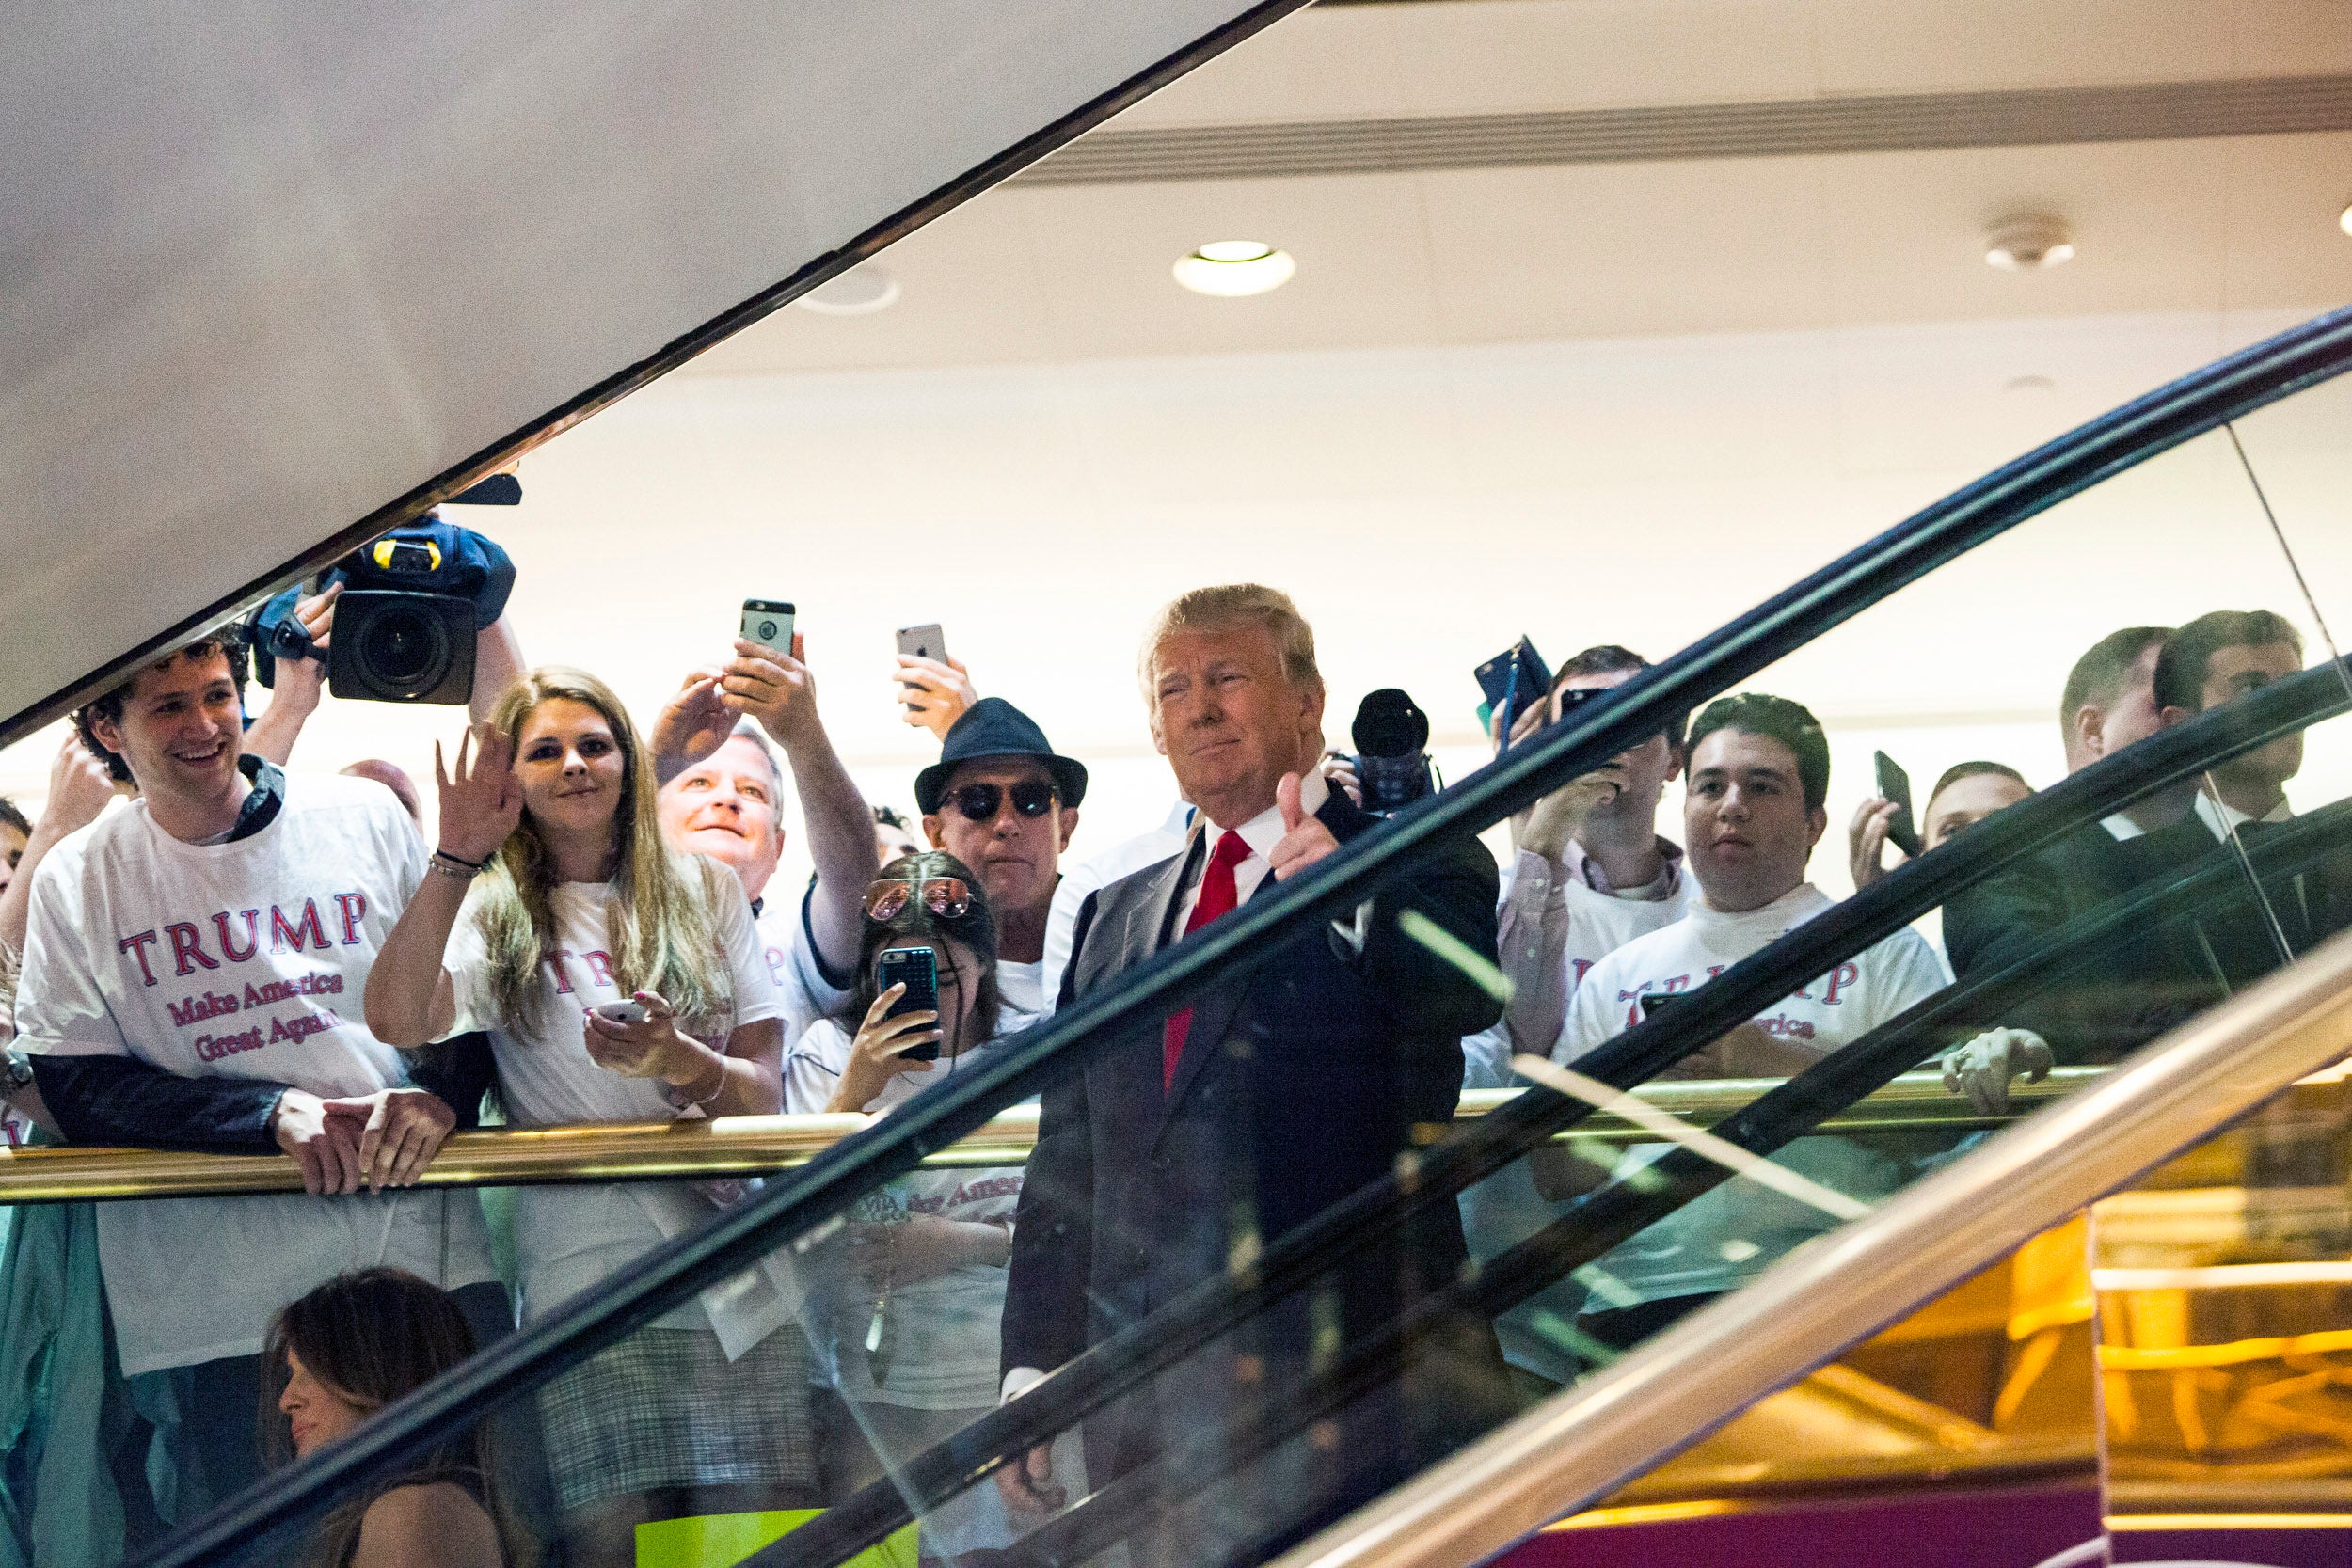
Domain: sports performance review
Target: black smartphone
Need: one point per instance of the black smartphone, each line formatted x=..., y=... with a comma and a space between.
x=1653, y=1000
x=917, y=969
x=1895, y=784
x=1517, y=676
x=768, y=623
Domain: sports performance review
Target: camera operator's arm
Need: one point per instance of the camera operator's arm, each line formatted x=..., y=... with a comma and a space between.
x=79, y=788
x=299, y=684
x=410, y=998
x=498, y=663
x=777, y=690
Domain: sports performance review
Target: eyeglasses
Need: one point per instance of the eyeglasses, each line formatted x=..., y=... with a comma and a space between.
x=944, y=897
x=979, y=802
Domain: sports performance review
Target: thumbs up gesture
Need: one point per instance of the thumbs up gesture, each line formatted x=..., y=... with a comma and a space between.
x=1305, y=840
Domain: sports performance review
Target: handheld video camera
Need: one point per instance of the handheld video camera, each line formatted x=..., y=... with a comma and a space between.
x=412, y=604
x=1391, y=735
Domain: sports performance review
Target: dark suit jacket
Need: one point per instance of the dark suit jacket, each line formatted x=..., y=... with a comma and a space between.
x=2164, y=972
x=1305, y=1074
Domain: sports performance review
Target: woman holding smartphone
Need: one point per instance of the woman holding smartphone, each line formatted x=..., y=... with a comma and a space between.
x=619, y=981
x=909, y=1331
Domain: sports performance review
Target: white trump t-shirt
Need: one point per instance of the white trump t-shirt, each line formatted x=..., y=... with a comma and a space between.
x=245, y=959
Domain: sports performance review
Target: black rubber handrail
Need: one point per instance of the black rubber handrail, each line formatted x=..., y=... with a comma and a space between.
x=1471, y=1153
x=1624, y=1207
x=799, y=1208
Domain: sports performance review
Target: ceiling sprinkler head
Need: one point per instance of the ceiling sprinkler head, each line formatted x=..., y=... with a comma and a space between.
x=2030, y=244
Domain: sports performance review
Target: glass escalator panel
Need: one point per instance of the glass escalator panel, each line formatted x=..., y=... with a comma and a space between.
x=1259, y=1268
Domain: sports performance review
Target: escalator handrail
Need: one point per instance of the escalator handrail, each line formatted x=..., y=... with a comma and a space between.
x=796, y=1205
x=1628, y=1204
x=1470, y=1154
x=1837, y=1290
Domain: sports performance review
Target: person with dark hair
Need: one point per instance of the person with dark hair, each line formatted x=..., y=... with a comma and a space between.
x=1753, y=812
x=191, y=974
x=16, y=831
x=1968, y=792
x=1000, y=800
x=619, y=980
x=338, y=1355
x=2109, y=698
x=2211, y=661
x=1590, y=871
x=893, y=836
x=910, y=1338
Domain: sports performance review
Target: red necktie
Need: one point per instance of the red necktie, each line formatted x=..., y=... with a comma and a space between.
x=1217, y=897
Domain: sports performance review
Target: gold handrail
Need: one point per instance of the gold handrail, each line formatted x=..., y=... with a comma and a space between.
x=756, y=1145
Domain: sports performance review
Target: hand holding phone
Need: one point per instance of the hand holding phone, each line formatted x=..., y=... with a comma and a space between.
x=1895, y=786
x=918, y=970
x=1514, y=680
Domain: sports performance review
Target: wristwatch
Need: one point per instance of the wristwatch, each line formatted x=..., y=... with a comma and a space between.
x=16, y=1073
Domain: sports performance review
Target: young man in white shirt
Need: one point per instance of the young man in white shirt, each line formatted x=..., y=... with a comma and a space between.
x=722, y=796
x=191, y=979
x=1004, y=804
x=1752, y=813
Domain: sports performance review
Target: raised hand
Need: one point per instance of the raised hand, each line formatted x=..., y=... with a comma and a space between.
x=481, y=800
x=1305, y=840
x=774, y=687
x=1339, y=770
x=936, y=692
x=880, y=1052
x=1866, y=840
x=693, y=724
x=79, y=788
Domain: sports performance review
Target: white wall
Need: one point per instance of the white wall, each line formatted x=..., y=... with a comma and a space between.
x=1424, y=506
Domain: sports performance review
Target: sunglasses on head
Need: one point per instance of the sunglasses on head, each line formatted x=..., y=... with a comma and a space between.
x=979, y=802
x=944, y=897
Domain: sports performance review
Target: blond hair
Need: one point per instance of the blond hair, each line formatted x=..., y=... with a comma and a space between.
x=1223, y=608
x=663, y=912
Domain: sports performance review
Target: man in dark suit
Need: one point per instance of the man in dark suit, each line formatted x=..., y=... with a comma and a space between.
x=1297, y=1079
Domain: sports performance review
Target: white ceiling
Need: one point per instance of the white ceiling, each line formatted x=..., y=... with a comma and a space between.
x=1040, y=274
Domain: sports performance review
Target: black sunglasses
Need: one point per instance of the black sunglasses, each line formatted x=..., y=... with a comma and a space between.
x=979, y=802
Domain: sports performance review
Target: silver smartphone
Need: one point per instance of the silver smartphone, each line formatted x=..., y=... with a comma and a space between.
x=768, y=623
x=924, y=641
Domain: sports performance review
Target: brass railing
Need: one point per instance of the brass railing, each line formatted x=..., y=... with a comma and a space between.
x=755, y=1146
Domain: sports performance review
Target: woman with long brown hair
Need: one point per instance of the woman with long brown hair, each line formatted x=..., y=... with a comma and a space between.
x=619, y=980
x=338, y=1355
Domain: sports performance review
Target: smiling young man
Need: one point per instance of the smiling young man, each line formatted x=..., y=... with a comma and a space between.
x=1752, y=815
x=722, y=796
x=192, y=977
x=1298, y=1075
x=1004, y=804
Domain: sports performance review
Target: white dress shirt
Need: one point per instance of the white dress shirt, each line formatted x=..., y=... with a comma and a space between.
x=1262, y=832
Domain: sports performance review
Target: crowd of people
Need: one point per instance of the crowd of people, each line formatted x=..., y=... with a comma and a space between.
x=249, y=958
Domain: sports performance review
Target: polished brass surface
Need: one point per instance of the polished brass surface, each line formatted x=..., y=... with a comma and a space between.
x=754, y=1145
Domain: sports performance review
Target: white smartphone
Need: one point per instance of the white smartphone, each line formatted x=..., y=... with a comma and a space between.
x=924, y=641
x=768, y=623
x=622, y=1012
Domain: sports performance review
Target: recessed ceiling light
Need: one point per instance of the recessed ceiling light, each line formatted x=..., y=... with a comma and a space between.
x=860, y=292
x=2028, y=244
x=2343, y=220
x=1230, y=268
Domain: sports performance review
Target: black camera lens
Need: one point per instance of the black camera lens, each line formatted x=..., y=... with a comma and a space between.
x=404, y=648
x=767, y=631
